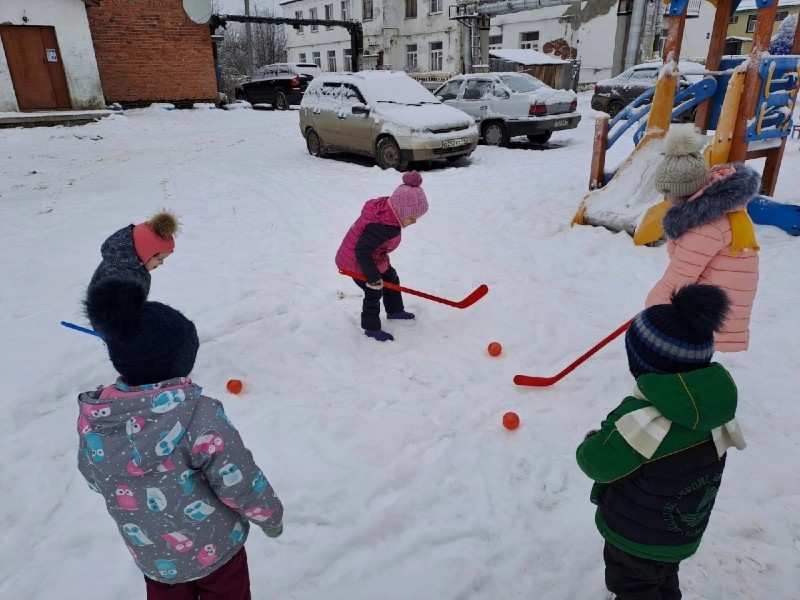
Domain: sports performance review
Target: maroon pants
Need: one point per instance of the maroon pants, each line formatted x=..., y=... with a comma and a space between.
x=230, y=582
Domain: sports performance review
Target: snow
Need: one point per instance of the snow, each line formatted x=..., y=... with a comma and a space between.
x=397, y=477
x=527, y=57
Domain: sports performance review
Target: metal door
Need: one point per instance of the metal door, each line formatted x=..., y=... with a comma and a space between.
x=34, y=62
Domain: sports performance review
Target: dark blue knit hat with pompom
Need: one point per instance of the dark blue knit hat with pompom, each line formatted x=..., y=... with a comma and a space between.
x=677, y=337
x=147, y=341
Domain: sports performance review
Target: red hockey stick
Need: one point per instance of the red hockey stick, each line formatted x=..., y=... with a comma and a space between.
x=479, y=292
x=547, y=381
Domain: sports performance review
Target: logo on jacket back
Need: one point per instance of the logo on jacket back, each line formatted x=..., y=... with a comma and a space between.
x=683, y=516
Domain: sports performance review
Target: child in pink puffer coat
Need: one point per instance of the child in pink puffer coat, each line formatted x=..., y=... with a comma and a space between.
x=710, y=237
x=366, y=247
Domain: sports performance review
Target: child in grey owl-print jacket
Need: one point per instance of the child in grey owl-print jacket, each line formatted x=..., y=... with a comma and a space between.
x=176, y=477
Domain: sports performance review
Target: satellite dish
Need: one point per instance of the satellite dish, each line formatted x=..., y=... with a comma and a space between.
x=199, y=11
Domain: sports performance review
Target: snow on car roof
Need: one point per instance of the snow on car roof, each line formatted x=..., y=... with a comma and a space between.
x=384, y=86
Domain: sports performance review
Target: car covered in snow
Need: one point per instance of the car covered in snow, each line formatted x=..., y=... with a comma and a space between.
x=613, y=95
x=383, y=114
x=506, y=105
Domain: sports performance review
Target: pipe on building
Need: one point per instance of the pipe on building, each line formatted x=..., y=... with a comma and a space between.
x=510, y=6
x=635, y=34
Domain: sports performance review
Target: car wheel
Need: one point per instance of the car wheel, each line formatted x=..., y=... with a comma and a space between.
x=540, y=138
x=314, y=144
x=614, y=108
x=281, y=103
x=495, y=134
x=388, y=155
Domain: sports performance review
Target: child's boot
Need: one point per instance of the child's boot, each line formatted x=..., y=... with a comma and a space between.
x=402, y=314
x=379, y=334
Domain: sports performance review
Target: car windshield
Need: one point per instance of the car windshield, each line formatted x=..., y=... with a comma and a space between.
x=397, y=90
x=522, y=82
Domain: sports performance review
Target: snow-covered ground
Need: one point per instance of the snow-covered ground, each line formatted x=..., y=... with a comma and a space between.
x=398, y=479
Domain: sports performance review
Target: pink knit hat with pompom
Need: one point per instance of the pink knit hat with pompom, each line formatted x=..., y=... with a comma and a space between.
x=409, y=200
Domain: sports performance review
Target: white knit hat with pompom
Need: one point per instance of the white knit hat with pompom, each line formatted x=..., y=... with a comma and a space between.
x=683, y=171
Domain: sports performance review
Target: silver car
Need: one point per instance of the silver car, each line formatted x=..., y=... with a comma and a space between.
x=384, y=114
x=505, y=105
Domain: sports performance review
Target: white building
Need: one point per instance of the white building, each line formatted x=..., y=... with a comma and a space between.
x=47, y=59
x=418, y=35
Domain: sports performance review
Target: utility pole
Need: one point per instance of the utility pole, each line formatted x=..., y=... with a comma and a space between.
x=248, y=35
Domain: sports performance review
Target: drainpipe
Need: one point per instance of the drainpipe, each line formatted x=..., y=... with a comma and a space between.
x=511, y=6
x=635, y=34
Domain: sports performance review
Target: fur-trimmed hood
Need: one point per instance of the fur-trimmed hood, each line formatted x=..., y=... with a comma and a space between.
x=717, y=199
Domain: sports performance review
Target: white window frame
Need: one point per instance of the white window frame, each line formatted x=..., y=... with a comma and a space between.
x=312, y=14
x=411, y=9
x=302, y=57
x=751, y=23
x=529, y=44
x=436, y=55
x=298, y=14
x=497, y=44
x=347, y=59
x=436, y=7
x=316, y=58
x=345, y=8
x=411, y=56
x=329, y=15
x=364, y=15
x=332, y=57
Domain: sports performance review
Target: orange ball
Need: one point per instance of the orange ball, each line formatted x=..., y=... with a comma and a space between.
x=510, y=420
x=495, y=349
x=234, y=386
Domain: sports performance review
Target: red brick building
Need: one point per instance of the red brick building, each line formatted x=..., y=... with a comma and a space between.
x=151, y=51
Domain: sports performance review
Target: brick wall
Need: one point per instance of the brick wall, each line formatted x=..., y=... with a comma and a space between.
x=150, y=51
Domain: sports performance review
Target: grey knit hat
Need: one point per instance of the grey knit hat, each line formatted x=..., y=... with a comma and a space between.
x=683, y=171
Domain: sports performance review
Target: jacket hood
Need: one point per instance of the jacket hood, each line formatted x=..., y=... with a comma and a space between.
x=717, y=199
x=134, y=429
x=379, y=211
x=119, y=247
x=701, y=400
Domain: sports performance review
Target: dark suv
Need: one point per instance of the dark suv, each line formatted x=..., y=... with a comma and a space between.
x=280, y=84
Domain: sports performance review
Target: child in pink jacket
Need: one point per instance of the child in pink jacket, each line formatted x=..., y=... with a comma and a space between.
x=710, y=237
x=366, y=246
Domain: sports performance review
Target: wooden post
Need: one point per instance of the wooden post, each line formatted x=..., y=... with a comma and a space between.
x=597, y=171
x=664, y=96
x=752, y=81
x=715, y=49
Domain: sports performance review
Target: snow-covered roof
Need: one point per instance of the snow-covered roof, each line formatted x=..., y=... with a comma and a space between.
x=738, y=38
x=528, y=57
x=746, y=5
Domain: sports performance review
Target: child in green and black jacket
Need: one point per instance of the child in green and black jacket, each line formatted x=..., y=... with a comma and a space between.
x=658, y=458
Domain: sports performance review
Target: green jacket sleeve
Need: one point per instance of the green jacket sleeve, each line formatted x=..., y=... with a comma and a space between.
x=605, y=456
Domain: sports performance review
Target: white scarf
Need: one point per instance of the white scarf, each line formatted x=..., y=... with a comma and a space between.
x=646, y=428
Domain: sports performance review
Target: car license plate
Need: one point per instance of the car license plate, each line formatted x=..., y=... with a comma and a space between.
x=454, y=143
x=561, y=124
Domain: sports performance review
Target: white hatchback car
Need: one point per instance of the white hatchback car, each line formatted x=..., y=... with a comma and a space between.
x=506, y=105
x=384, y=114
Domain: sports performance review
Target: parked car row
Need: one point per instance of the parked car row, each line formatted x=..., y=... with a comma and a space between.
x=396, y=120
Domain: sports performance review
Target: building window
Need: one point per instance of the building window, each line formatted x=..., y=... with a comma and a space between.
x=436, y=56
x=366, y=10
x=345, y=10
x=316, y=59
x=411, y=9
x=436, y=6
x=312, y=14
x=301, y=57
x=495, y=42
x=298, y=14
x=411, y=56
x=529, y=40
x=625, y=7
x=751, y=23
x=329, y=15
x=781, y=15
x=347, y=59
x=733, y=20
x=332, y=60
